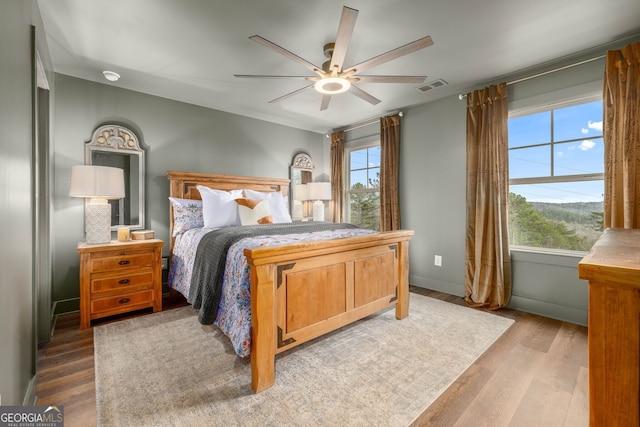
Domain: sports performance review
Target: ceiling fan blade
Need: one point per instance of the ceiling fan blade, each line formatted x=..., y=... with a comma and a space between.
x=392, y=54
x=262, y=76
x=343, y=38
x=295, y=92
x=284, y=52
x=325, y=102
x=390, y=79
x=364, y=95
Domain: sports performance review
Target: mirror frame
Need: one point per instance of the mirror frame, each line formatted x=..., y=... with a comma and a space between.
x=116, y=139
x=301, y=162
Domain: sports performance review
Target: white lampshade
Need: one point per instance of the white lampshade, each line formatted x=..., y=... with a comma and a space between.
x=97, y=183
x=318, y=191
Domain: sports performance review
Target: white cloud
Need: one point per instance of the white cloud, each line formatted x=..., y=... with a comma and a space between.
x=587, y=145
x=595, y=125
x=584, y=131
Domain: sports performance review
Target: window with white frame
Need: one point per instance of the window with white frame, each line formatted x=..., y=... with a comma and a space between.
x=362, y=184
x=556, y=176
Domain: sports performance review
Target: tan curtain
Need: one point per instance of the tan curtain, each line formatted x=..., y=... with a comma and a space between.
x=488, y=265
x=621, y=99
x=389, y=159
x=337, y=176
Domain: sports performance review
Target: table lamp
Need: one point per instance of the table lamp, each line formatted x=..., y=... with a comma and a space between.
x=97, y=183
x=318, y=191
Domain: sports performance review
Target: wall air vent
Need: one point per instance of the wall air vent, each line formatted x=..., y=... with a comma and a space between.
x=432, y=85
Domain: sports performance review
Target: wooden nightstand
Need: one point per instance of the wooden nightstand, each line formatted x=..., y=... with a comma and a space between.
x=119, y=277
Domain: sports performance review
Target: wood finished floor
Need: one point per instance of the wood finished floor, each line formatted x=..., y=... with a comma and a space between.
x=534, y=375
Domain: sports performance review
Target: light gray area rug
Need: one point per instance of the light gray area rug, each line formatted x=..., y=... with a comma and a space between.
x=166, y=369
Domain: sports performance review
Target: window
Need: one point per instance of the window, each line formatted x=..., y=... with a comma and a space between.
x=363, y=186
x=556, y=177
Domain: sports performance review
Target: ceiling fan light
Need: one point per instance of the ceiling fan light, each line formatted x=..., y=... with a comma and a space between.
x=332, y=85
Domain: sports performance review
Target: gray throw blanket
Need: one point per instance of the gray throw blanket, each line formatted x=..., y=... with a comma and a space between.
x=209, y=263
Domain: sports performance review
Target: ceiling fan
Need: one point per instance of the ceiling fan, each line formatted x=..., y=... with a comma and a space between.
x=333, y=78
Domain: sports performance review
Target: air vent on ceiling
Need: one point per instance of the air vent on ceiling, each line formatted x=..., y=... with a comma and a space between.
x=432, y=85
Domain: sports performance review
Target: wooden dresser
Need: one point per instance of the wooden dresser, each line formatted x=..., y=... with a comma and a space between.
x=613, y=271
x=119, y=277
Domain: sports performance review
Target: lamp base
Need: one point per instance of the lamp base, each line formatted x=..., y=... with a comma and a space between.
x=318, y=211
x=98, y=222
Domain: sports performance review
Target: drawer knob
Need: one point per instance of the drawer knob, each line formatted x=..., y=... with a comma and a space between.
x=124, y=281
x=124, y=300
x=124, y=262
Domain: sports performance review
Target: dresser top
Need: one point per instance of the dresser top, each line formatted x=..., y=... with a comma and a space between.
x=617, y=255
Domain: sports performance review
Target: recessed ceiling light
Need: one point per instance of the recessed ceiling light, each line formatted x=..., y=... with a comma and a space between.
x=111, y=76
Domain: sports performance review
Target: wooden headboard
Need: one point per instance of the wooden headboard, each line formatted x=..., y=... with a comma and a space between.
x=183, y=186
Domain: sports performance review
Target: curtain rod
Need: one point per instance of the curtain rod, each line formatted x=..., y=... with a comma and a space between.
x=544, y=73
x=361, y=125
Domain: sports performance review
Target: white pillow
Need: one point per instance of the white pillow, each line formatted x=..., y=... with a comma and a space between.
x=277, y=205
x=219, y=208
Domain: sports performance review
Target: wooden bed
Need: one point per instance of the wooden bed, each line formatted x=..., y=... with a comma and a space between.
x=302, y=291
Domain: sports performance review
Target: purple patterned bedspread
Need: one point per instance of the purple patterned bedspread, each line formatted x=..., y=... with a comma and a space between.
x=234, y=310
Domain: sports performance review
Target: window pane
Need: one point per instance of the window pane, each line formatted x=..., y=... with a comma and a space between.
x=363, y=201
x=579, y=157
x=358, y=159
x=529, y=130
x=358, y=179
x=562, y=192
x=374, y=157
x=364, y=210
x=530, y=162
x=556, y=216
x=578, y=121
x=374, y=178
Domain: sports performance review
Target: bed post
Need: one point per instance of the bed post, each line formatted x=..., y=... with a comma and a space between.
x=402, y=306
x=263, y=325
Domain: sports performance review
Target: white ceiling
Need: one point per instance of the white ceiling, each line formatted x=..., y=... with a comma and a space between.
x=189, y=50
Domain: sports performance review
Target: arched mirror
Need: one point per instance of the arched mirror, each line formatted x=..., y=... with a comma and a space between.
x=117, y=146
x=301, y=174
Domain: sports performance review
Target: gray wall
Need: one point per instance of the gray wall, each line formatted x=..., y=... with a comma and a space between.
x=432, y=192
x=177, y=136
x=18, y=333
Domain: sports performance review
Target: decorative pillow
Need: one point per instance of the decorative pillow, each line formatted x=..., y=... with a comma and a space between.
x=187, y=214
x=219, y=208
x=253, y=212
x=278, y=206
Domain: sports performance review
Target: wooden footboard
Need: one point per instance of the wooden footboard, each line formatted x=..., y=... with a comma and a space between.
x=302, y=291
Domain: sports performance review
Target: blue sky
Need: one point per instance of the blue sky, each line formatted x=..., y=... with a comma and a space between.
x=575, y=136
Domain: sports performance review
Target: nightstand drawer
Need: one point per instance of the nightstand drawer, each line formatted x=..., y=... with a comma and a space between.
x=121, y=302
x=122, y=282
x=121, y=261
